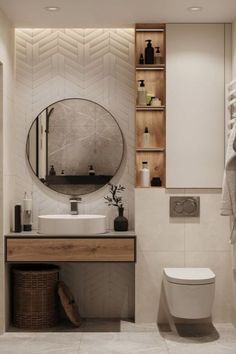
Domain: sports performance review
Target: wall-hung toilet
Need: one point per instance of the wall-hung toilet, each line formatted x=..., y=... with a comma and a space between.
x=189, y=292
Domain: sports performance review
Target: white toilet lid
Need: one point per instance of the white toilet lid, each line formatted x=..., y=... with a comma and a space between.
x=189, y=276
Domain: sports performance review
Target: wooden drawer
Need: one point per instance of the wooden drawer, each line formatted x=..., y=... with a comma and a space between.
x=71, y=249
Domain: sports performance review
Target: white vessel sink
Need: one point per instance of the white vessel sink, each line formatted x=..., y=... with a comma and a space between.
x=67, y=225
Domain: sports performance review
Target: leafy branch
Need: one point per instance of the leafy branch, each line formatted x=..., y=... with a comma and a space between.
x=115, y=199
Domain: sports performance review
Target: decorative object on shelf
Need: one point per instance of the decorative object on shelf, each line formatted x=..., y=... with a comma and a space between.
x=145, y=175
x=141, y=93
x=149, y=98
x=157, y=56
x=155, y=102
x=149, y=52
x=69, y=304
x=141, y=59
x=156, y=182
x=115, y=199
x=52, y=171
x=91, y=170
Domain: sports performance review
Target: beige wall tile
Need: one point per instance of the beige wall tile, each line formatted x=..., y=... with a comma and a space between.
x=148, y=281
x=156, y=230
x=220, y=263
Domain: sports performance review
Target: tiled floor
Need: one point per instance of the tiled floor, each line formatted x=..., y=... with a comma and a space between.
x=126, y=338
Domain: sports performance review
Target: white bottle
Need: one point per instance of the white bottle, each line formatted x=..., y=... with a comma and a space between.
x=144, y=175
x=141, y=94
x=146, y=137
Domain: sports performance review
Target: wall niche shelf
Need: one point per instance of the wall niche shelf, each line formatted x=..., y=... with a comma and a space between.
x=151, y=116
x=149, y=108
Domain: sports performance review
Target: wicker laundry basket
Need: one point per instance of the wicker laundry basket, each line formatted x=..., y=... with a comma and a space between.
x=35, y=299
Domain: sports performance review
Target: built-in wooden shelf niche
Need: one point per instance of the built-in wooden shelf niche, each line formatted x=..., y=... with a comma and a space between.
x=149, y=116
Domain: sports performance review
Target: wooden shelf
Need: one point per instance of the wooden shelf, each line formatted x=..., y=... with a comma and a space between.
x=149, y=30
x=149, y=116
x=149, y=108
x=155, y=27
x=150, y=150
x=150, y=67
x=150, y=187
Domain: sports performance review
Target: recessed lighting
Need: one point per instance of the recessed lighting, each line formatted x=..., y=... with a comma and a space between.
x=52, y=8
x=195, y=8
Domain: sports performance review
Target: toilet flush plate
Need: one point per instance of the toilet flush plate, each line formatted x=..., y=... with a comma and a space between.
x=186, y=206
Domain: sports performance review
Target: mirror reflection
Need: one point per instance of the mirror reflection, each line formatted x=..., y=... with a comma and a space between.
x=75, y=146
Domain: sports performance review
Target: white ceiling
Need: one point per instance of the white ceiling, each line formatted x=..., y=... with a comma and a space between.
x=114, y=13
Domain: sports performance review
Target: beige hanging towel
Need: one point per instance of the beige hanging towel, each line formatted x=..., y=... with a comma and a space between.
x=228, y=203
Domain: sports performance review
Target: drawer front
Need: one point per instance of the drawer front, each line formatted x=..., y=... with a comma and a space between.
x=70, y=249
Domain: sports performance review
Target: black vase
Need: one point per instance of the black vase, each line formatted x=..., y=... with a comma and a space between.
x=121, y=222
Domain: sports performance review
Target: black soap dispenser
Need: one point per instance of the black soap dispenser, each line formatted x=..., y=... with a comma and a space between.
x=149, y=52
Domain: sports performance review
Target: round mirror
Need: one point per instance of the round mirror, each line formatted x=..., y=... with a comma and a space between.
x=75, y=146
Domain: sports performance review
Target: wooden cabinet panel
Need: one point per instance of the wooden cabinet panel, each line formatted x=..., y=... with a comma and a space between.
x=92, y=249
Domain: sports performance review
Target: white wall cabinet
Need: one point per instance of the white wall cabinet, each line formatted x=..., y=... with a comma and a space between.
x=195, y=81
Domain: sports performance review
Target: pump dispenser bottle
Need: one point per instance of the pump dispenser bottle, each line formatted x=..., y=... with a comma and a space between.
x=146, y=137
x=141, y=94
x=149, y=52
x=27, y=213
x=157, y=56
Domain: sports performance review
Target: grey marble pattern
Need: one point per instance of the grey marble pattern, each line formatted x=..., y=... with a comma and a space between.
x=96, y=337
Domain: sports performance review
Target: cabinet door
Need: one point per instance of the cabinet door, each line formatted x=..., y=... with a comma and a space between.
x=195, y=105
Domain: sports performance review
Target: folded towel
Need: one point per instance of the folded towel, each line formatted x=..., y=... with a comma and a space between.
x=228, y=204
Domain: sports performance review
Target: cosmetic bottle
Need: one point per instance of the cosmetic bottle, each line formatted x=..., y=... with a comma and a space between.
x=157, y=56
x=17, y=217
x=144, y=175
x=141, y=59
x=146, y=137
x=91, y=170
x=149, y=52
x=52, y=171
x=141, y=94
x=27, y=213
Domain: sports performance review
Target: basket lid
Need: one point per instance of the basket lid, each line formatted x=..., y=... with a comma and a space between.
x=69, y=304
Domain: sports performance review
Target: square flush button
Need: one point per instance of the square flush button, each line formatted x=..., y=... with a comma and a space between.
x=184, y=206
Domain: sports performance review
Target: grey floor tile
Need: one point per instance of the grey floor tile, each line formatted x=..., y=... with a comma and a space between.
x=122, y=343
x=95, y=337
x=221, y=339
x=128, y=326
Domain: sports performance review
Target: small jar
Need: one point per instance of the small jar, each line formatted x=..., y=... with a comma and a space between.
x=156, y=102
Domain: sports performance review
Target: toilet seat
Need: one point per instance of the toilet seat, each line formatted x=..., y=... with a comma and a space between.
x=189, y=276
